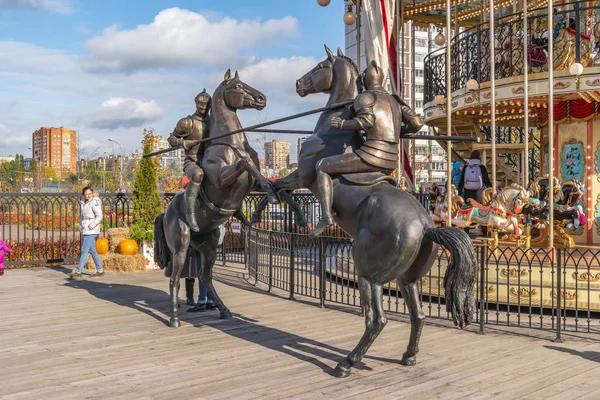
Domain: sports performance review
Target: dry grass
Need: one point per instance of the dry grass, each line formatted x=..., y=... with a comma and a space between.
x=114, y=262
x=116, y=236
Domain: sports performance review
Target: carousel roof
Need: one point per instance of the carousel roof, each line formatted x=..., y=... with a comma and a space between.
x=425, y=12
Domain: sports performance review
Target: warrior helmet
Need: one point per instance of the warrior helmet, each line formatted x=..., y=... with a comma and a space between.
x=203, y=99
x=373, y=76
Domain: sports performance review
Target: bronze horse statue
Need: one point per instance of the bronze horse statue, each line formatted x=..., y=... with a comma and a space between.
x=394, y=237
x=228, y=180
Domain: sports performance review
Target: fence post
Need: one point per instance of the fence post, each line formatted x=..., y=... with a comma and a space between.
x=292, y=267
x=223, y=251
x=482, y=264
x=558, y=338
x=322, y=260
x=270, y=260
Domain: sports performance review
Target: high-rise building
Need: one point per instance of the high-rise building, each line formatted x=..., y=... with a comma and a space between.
x=300, y=142
x=277, y=154
x=173, y=160
x=56, y=148
x=428, y=157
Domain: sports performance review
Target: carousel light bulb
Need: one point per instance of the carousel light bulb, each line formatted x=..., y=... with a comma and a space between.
x=349, y=17
x=472, y=85
x=439, y=39
x=439, y=100
x=323, y=3
x=576, y=69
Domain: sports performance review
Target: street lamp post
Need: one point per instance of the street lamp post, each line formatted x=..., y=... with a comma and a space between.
x=121, y=188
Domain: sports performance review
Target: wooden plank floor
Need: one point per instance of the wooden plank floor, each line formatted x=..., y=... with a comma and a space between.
x=108, y=339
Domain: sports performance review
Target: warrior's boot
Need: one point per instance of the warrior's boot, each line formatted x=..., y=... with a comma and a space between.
x=191, y=193
x=325, y=186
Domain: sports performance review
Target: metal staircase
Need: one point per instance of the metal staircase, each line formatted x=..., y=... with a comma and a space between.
x=508, y=142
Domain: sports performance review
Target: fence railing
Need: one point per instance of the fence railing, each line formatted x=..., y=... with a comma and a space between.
x=553, y=290
x=537, y=288
x=43, y=228
x=573, y=28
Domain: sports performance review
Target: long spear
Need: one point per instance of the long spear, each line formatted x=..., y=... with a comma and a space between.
x=276, y=121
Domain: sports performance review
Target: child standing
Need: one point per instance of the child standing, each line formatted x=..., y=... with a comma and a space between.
x=3, y=248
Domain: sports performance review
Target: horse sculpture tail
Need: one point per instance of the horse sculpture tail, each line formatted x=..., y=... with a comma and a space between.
x=162, y=254
x=461, y=272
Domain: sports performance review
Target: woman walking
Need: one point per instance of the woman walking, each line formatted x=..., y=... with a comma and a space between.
x=91, y=215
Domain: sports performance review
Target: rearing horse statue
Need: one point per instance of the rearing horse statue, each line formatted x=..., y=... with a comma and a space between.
x=228, y=180
x=394, y=237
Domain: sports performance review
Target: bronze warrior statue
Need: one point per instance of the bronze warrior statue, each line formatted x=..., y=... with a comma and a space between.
x=192, y=128
x=381, y=116
x=394, y=237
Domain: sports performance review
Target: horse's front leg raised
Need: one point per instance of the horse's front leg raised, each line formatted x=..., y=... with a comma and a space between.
x=229, y=174
x=179, y=257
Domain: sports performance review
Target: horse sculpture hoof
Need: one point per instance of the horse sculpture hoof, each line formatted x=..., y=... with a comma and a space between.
x=174, y=323
x=226, y=314
x=408, y=361
x=341, y=371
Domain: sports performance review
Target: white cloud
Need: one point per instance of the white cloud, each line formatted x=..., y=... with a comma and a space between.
x=56, y=6
x=119, y=112
x=180, y=37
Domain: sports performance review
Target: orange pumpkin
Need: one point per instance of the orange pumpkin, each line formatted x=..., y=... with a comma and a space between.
x=128, y=247
x=102, y=246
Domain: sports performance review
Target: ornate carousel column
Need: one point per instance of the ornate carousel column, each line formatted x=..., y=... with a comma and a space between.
x=551, y=121
x=449, y=110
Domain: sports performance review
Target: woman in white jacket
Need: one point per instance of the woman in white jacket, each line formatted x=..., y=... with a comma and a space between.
x=90, y=212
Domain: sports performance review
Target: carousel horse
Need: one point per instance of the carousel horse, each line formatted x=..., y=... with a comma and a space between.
x=228, y=180
x=569, y=217
x=569, y=208
x=393, y=236
x=440, y=211
x=509, y=55
x=502, y=213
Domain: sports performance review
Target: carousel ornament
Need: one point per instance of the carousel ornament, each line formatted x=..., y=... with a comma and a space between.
x=439, y=39
x=349, y=17
x=323, y=3
x=576, y=69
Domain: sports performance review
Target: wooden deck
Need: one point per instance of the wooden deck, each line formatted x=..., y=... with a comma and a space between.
x=107, y=339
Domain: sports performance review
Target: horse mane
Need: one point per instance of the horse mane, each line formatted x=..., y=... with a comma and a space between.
x=506, y=194
x=359, y=82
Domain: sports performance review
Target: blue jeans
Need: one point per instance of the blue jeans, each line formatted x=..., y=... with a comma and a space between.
x=89, y=247
x=203, y=293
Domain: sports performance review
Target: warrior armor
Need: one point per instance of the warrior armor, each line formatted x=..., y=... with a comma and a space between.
x=380, y=115
x=192, y=128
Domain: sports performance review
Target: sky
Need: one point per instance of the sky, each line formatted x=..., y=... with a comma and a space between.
x=109, y=69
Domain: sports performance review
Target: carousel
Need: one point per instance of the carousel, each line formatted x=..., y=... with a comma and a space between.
x=531, y=96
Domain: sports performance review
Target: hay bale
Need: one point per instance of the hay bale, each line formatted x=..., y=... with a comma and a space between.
x=114, y=262
x=116, y=236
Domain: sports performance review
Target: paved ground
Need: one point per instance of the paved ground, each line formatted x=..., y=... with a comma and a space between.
x=108, y=339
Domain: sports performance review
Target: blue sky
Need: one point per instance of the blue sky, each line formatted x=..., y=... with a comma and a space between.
x=110, y=68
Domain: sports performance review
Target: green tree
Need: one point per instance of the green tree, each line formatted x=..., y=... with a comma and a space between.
x=283, y=173
x=147, y=203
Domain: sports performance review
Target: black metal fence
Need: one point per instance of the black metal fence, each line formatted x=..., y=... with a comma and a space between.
x=537, y=288
x=43, y=228
x=574, y=40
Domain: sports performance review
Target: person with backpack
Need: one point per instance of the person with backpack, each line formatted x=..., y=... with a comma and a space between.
x=474, y=178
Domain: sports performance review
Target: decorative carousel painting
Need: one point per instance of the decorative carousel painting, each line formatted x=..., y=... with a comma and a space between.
x=572, y=159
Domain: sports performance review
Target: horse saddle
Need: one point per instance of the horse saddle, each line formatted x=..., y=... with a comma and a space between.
x=368, y=178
